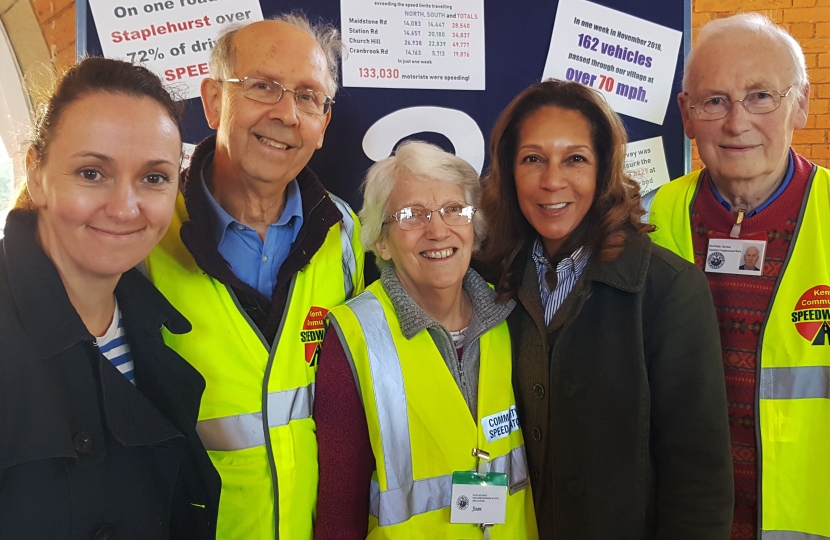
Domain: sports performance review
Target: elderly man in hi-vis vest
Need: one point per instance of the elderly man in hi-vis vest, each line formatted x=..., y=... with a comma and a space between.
x=745, y=91
x=257, y=254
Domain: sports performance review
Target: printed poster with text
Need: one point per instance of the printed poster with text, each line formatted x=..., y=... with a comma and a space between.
x=645, y=163
x=630, y=60
x=171, y=37
x=391, y=44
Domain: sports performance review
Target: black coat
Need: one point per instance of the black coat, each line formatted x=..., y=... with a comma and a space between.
x=622, y=402
x=83, y=452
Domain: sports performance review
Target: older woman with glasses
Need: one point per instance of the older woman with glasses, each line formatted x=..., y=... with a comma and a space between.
x=415, y=413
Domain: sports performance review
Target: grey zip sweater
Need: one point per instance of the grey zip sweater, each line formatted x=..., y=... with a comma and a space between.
x=487, y=314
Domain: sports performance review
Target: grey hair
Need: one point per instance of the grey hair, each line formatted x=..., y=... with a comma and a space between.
x=761, y=26
x=223, y=53
x=420, y=160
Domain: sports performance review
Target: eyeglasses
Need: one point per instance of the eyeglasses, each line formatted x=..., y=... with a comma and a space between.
x=417, y=217
x=265, y=91
x=717, y=107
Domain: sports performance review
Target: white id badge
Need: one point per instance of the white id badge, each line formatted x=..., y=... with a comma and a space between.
x=478, y=498
x=735, y=256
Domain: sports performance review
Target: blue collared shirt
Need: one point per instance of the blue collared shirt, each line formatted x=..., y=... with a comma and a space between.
x=787, y=178
x=253, y=261
x=567, y=272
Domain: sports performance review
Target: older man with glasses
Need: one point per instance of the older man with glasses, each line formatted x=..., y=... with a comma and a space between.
x=744, y=92
x=257, y=254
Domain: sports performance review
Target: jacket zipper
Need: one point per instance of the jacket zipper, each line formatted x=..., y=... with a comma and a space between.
x=272, y=350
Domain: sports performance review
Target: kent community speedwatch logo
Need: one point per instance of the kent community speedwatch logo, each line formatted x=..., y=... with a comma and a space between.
x=716, y=260
x=312, y=334
x=812, y=315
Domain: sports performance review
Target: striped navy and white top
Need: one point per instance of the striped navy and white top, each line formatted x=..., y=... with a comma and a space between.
x=113, y=345
x=567, y=272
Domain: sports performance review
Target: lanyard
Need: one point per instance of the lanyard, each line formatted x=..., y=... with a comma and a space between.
x=739, y=219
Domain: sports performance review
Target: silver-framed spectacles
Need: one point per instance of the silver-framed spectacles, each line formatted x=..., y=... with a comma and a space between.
x=267, y=91
x=762, y=102
x=417, y=217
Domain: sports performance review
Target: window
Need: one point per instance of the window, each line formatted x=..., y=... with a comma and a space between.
x=7, y=186
x=15, y=123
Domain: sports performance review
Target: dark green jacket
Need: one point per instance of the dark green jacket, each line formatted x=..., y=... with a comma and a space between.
x=622, y=402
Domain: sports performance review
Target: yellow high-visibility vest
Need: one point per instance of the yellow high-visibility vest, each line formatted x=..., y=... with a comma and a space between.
x=255, y=418
x=421, y=429
x=793, y=362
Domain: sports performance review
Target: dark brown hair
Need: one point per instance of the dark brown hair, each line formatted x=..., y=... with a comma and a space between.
x=616, y=207
x=91, y=75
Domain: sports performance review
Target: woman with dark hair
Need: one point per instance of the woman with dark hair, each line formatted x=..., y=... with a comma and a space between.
x=97, y=415
x=617, y=368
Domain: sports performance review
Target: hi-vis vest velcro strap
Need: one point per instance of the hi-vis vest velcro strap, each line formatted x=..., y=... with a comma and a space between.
x=393, y=507
x=346, y=232
x=790, y=535
x=803, y=382
x=247, y=430
x=404, y=496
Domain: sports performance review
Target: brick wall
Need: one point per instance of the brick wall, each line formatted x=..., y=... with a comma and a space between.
x=809, y=22
x=57, y=22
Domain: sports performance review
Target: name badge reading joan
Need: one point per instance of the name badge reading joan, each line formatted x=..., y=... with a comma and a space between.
x=478, y=498
x=741, y=256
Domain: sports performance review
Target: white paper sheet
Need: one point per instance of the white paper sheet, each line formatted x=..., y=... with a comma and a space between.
x=171, y=37
x=412, y=44
x=629, y=60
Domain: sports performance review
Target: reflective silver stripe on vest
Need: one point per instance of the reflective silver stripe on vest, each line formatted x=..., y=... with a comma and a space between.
x=396, y=506
x=514, y=465
x=390, y=396
x=795, y=382
x=346, y=233
x=406, y=497
x=246, y=430
x=791, y=535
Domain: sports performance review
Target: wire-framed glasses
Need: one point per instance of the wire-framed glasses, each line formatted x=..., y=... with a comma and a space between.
x=266, y=91
x=761, y=102
x=417, y=217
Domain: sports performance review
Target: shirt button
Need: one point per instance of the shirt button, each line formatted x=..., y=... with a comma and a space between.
x=538, y=391
x=265, y=258
x=241, y=227
x=83, y=443
x=537, y=434
x=568, y=389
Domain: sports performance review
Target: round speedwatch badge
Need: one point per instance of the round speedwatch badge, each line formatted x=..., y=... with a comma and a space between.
x=716, y=260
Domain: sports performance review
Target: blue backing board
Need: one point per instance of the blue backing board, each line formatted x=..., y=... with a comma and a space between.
x=517, y=34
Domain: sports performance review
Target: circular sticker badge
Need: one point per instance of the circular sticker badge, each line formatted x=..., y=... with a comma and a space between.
x=811, y=315
x=716, y=260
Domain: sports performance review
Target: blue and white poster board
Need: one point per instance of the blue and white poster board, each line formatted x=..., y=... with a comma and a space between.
x=436, y=70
